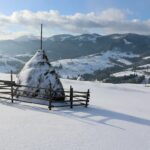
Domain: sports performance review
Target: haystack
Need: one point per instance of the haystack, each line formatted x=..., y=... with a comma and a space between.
x=39, y=73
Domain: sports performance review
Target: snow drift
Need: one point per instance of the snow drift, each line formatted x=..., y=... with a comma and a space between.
x=39, y=73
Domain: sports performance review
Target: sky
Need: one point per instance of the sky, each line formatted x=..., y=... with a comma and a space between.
x=23, y=17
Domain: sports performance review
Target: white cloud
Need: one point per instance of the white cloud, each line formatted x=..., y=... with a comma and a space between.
x=105, y=22
x=12, y=35
x=112, y=15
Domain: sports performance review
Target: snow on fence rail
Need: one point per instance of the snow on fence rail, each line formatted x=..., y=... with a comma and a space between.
x=72, y=97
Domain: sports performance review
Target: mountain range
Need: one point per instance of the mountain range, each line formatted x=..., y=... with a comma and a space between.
x=68, y=51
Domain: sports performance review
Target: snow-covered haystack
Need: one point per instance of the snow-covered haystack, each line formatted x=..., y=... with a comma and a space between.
x=39, y=73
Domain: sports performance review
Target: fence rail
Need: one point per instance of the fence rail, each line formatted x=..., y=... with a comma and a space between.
x=72, y=97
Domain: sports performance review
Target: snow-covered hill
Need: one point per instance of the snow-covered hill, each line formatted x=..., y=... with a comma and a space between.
x=143, y=70
x=75, y=55
x=14, y=63
x=71, y=67
x=88, y=64
x=118, y=118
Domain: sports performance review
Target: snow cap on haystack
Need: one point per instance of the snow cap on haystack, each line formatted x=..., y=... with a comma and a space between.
x=39, y=73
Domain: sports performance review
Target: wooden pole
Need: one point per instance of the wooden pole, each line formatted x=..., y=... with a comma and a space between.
x=50, y=98
x=12, y=94
x=71, y=97
x=41, y=36
x=87, y=98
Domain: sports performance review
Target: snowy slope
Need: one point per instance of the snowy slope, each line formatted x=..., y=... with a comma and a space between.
x=8, y=63
x=144, y=66
x=71, y=67
x=126, y=41
x=141, y=71
x=124, y=61
x=127, y=73
x=89, y=64
x=118, y=118
x=147, y=57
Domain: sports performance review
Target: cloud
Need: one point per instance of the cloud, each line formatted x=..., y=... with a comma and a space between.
x=12, y=35
x=105, y=22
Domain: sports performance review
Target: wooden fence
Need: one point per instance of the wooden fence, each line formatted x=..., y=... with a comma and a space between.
x=72, y=97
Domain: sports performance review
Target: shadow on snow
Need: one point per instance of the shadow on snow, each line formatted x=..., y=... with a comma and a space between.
x=91, y=115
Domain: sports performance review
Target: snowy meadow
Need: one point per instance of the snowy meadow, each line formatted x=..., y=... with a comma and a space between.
x=118, y=118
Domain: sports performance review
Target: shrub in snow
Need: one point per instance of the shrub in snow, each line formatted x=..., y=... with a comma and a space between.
x=39, y=73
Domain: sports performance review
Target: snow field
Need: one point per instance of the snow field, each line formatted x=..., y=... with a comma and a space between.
x=118, y=118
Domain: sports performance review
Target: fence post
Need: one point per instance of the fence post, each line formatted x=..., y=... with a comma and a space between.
x=71, y=97
x=50, y=99
x=12, y=94
x=87, y=98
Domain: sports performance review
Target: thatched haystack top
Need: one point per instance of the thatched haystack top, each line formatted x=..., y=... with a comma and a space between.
x=39, y=59
x=39, y=73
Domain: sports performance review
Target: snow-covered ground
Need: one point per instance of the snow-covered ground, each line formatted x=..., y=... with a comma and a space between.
x=147, y=57
x=118, y=118
x=145, y=66
x=124, y=61
x=128, y=72
x=140, y=72
x=8, y=63
x=126, y=41
x=71, y=67
x=89, y=64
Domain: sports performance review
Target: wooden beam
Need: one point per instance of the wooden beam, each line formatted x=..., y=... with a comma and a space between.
x=12, y=93
x=71, y=97
x=41, y=36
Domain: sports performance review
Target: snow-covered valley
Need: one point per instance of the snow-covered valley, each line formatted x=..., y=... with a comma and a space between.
x=71, y=67
x=88, y=64
x=118, y=118
x=94, y=55
x=98, y=66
